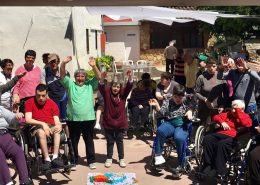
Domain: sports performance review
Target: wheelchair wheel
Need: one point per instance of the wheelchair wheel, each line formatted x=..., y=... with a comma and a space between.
x=198, y=144
x=19, y=139
x=168, y=148
x=188, y=167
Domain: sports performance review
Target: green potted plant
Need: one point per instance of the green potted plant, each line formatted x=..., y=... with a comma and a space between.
x=105, y=62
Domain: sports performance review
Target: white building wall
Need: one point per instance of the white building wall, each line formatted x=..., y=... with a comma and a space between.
x=130, y=35
x=44, y=29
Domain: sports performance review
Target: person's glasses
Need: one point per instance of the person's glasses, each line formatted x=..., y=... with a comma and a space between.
x=53, y=62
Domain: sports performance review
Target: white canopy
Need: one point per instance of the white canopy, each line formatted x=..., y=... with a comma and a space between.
x=158, y=14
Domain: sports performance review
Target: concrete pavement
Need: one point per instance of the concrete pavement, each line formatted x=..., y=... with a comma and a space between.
x=137, y=156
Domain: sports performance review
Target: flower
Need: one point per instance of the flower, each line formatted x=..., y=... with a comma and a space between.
x=100, y=178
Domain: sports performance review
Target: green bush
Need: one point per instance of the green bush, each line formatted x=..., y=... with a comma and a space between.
x=90, y=74
x=105, y=61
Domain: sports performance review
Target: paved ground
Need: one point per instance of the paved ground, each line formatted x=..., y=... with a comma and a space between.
x=137, y=155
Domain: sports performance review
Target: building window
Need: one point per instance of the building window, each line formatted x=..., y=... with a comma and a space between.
x=87, y=40
x=96, y=39
x=186, y=35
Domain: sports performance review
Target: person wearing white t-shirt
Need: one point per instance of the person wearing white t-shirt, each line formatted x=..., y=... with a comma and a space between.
x=5, y=76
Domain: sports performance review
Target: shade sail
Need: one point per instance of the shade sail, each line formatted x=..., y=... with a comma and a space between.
x=158, y=14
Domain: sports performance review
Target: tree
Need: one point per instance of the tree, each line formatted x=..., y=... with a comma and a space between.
x=237, y=28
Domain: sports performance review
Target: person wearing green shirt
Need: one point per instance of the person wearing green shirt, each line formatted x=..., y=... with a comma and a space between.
x=80, y=108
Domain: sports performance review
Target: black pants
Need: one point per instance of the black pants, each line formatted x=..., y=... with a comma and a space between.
x=87, y=130
x=254, y=165
x=112, y=136
x=169, y=63
x=216, y=150
x=180, y=79
x=136, y=112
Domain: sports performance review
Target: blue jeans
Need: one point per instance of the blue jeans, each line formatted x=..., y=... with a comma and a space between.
x=179, y=134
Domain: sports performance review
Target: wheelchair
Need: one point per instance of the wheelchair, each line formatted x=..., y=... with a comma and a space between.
x=169, y=147
x=34, y=158
x=237, y=164
x=18, y=138
x=150, y=126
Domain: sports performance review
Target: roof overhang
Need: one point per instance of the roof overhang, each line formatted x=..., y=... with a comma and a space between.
x=129, y=3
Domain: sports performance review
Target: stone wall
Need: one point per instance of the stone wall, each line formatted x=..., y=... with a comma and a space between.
x=253, y=45
x=154, y=55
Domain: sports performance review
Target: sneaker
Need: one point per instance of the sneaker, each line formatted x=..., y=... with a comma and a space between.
x=92, y=166
x=57, y=163
x=122, y=163
x=159, y=160
x=46, y=166
x=177, y=172
x=108, y=163
x=73, y=168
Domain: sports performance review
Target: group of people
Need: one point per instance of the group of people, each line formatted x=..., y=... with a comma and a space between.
x=220, y=83
x=50, y=101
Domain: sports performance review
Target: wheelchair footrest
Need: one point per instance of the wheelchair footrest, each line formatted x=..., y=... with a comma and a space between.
x=56, y=169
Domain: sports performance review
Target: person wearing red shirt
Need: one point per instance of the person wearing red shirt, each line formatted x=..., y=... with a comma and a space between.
x=43, y=114
x=217, y=146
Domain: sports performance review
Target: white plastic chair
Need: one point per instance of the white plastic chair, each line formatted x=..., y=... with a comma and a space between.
x=141, y=63
x=116, y=72
x=128, y=62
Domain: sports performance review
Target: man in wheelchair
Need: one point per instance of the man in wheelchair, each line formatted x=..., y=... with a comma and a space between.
x=43, y=114
x=217, y=146
x=177, y=112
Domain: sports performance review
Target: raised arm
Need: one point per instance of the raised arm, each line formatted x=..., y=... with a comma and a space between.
x=101, y=85
x=92, y=63
x=9, y=85
x=63, y=66
x=129, y=84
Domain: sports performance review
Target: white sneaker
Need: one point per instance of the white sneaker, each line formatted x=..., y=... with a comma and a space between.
x=92, y=166
x=122, y=163
x=97, y=126
x=159, y=160
x=108, y=163
x=73, y=168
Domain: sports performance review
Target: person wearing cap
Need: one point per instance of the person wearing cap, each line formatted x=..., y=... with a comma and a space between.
x=56, y=91
x=210, y=103
x=25, y=87
x=80, y=109
x=202, y=64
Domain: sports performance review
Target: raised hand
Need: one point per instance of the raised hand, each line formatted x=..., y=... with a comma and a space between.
x=67, y=59
x=92, y=61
